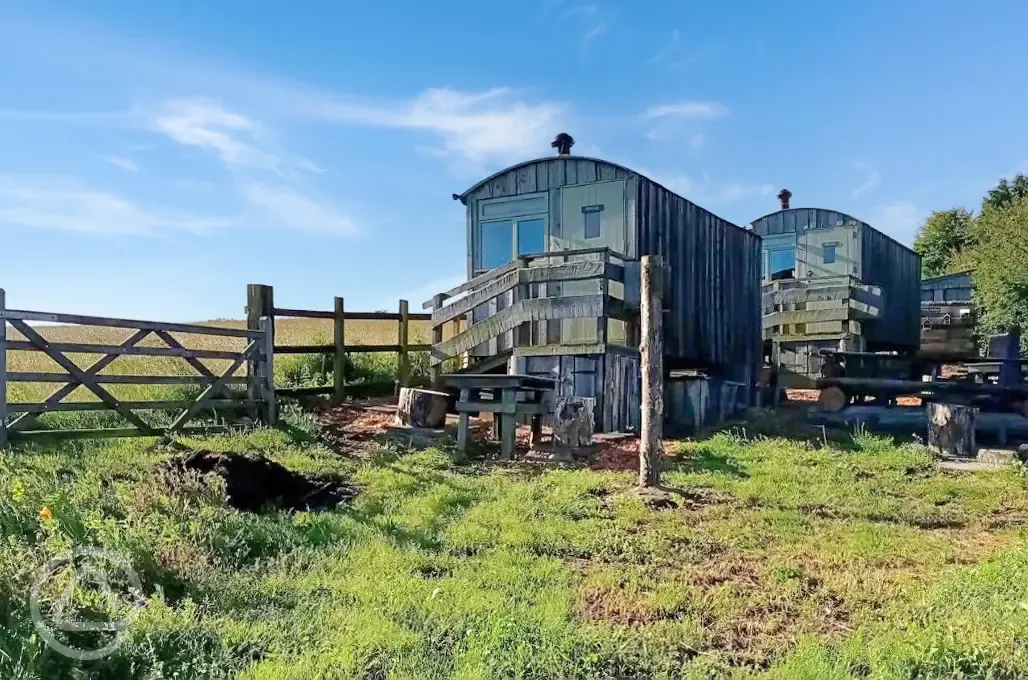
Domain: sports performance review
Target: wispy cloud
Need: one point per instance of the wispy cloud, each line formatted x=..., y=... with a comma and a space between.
x=494, y=125
x=126, y=164
x=668, y=50
x=236, y=139
x=706, y=192
x=289, y=207
x=688, y=109
x=899, y=220
x=872, y=181
x=66, y=204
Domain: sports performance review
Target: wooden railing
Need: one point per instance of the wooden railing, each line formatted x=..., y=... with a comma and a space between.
x=215, y=395
x=518, y=278
x=261, y=302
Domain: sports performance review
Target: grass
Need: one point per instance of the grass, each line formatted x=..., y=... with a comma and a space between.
x=783, y=560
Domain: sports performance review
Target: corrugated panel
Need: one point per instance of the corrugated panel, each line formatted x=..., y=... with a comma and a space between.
x=897, y=269
x=713, y=283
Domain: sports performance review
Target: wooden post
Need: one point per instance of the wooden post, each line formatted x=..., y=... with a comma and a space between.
x=951, y=429
x=268, y=388
x=338, y=372
x=652, y=365
x=3, y=370
x=260, y=302
x=402, y=360
x=437, y=337
x=464, y=426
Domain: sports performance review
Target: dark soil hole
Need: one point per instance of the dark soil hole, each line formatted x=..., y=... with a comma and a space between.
x=253, y=482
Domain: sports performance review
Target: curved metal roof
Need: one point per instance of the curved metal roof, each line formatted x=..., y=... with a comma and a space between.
x=493, y=176
x=776, y=212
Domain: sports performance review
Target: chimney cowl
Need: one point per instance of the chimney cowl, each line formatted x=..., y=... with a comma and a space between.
x=563, y=143
x=783, y=196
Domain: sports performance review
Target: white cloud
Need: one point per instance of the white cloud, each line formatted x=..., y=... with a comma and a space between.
x=899, y=220
x=290, y=208
x=126, y=164
x=872, y=181
x=486, y=126
x=237, y=140
x=693, y=110
x=707, y=193
x=66, y=204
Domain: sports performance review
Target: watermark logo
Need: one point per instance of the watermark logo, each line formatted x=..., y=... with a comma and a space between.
x=83, y=602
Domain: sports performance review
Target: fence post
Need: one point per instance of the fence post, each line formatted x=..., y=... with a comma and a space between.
x=403, y=361
x=338, y=374
x=651, y=447
x=437, y=337
x=268, y=387
x=260, y=302
x=3, y=370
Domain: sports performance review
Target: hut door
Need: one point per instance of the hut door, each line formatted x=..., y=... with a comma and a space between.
x=592, y=216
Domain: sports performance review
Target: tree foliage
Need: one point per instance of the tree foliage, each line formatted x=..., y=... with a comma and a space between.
x=1005, y=193
x=942, y=240
x=999, y=259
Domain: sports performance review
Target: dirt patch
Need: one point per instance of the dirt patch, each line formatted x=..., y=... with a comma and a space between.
x=253, y=482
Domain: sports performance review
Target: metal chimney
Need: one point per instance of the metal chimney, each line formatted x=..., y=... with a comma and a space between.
x=784, y=195
x=563, y=144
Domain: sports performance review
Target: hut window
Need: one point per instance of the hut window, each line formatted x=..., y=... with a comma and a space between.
x=830, y=253
x=782, y=264
x=591, y=217
x=496, y=242
x=531, y=236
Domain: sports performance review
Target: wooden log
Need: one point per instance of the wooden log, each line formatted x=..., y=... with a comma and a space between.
x=422, y=408
x=831, y=400
x=574, y=422
x=651, y=447
x=951, y=429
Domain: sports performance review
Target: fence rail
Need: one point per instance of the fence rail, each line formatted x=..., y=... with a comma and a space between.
x=215, y=395
x=261, y=302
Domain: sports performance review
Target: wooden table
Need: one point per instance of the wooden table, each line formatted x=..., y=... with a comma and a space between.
x=505, y=390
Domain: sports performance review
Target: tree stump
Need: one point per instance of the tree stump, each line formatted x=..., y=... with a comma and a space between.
x=573, y=422
x=422, y=408
x=951, y=429
x=831, y=400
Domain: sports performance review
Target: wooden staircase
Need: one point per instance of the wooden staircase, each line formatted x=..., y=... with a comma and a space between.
x=526, y=283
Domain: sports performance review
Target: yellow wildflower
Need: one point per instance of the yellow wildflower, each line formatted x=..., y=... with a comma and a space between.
x=46, y=513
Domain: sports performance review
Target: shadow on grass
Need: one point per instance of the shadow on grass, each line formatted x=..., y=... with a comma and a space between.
x=706, y=459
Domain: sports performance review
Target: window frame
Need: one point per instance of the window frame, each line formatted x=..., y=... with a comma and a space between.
x=591, y=210
x=513, y=218
x=770, y=261
x=834, y=250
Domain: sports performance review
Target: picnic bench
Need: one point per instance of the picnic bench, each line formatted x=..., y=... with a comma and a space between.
x=510, y=398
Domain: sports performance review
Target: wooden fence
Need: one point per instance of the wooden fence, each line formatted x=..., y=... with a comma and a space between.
x=16, y=418
x=261, y=304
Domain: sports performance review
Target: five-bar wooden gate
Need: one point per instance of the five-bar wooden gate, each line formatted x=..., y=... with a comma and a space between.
x=17, y=418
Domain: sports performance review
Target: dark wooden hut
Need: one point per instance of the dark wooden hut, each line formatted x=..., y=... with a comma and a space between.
x=570, y=204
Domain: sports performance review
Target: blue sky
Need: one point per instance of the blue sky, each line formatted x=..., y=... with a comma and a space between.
x=157, y=157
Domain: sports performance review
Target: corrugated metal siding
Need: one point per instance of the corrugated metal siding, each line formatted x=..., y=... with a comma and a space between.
x=948, y=288
x=713, y=284
x=799, y=219
x=897, y=269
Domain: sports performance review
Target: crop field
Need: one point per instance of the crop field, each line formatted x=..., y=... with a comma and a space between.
x=781, y=559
